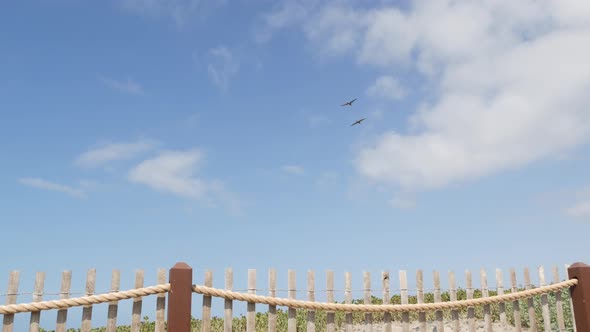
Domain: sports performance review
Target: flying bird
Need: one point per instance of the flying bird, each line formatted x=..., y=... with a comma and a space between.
x=358, y=122
x=349, y=103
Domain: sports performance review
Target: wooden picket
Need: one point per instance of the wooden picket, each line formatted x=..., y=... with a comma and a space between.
x=310, y=297
x=470, y=310
x=64, y=293
x=437, y=298
x=229, y=305
x=420, y=299
x=330, y=316
x=37, y=297
x=87, y=310
x=292, y=320
x=206, y=313
x=11, y=296
x=113, y=306
x=251, y=316
x=485, y=293
x=516, y=303
x=137, y=303
x=367, y=300
x=403, y=284
x=453, y=297
x=386, y=300
x=501, y=306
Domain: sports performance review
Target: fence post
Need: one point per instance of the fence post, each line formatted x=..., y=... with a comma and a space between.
x=580, y=294
x=179, y=298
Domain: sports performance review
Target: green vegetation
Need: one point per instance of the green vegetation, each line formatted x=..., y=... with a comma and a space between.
x=239, y=323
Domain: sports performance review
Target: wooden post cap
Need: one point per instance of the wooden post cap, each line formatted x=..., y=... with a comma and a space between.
x=182, y=266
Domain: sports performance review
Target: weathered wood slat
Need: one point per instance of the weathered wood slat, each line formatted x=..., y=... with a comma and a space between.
x=114, y=305
x=161, y=303
x=403, y=285
x=469, y=293
x=544, y=301
x=487, y=317
x=137, y=303
x=228, y=305
x=502, y=305
x=453, y=297
x=386, y=300
x=530, y=302
x=516, y=303
x=8, y=320
x=440, y=325
x=348, y=300
x=62, y=314
x=310, y=297
x=558, y=302
x=87, y=310
x=251, y=315
x=330, y=316
x=292, y=318
x=37, y=297
x=367, y=300
x=206, y=310
x=420, y=299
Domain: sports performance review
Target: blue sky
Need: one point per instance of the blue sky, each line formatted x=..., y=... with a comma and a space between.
x=141, y=133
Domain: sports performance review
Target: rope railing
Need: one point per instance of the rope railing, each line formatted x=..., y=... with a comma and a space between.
x=84, y=300
x=295, y=304
x=374, y=308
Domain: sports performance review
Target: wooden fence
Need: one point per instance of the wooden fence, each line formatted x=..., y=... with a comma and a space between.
x=87, y=313
x=545, y=313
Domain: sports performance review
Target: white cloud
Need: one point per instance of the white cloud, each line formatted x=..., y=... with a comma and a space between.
x=284, y=14
x=180, y=11
x=52, y=186
x=579, y=210
x=218, y=194
x=112, y=152
x=510, y=82
x=335, y=29
x=223, y=66
x=171, y=171
x=175, y=172
x=128, y=86
x=387, y=86
x=293, y=169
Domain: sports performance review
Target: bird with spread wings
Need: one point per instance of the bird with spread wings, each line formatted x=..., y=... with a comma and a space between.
x=349, y=103
x=358, y=122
